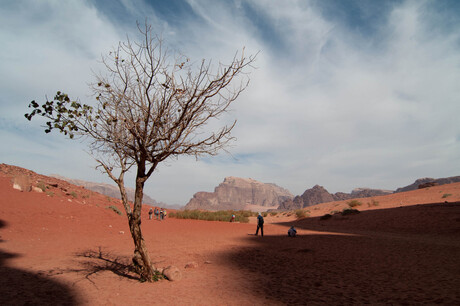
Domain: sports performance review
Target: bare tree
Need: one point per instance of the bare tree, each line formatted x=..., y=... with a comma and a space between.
x=150, y=106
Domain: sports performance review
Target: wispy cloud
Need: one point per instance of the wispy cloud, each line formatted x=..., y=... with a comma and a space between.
x=344, y=95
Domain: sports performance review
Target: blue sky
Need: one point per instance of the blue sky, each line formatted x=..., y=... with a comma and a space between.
x=346, y=94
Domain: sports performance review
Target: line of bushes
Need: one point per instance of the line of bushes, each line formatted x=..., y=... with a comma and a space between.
x=221, y=215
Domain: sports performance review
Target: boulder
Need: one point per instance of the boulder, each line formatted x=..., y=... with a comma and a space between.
x=36, y=189
x=172, y=273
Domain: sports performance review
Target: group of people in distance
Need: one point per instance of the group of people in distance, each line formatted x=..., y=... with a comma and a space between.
x=160, y=214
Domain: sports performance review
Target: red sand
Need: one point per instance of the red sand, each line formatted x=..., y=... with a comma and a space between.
x=56, y=251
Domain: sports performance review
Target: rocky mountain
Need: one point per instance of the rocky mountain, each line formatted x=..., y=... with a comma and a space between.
x=111, y=191
x=319, y=194
x=240, y=193
x=421, y=181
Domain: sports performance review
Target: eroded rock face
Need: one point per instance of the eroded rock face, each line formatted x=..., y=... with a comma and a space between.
x=236, y=193
x=319, y=194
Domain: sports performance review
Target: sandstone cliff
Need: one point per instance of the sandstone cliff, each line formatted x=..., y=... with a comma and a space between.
x=238, y=194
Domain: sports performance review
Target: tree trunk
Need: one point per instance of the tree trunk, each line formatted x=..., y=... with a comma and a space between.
x=141, y=258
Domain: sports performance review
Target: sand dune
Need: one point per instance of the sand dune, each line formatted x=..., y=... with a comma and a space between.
x=66, y=247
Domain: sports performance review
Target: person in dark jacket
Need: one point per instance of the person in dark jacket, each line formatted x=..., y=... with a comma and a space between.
x=150, y=213
x=260, y=224
x=292, y=232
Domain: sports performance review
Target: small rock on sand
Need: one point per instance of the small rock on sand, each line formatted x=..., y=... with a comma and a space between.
x=191, y=264
x=172, y=273
x=36, y=189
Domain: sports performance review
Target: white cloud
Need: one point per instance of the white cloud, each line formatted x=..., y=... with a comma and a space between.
x=326, y=105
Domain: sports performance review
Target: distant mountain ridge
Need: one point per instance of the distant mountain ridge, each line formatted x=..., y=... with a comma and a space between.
x=318, y=194
x=420, y=181
x=113, y=191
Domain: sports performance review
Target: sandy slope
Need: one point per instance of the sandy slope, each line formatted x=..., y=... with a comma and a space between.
x=56, y=251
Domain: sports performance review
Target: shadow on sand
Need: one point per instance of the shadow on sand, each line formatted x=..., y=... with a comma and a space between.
x=344, y=268
x=21, y=287
x=99, y=261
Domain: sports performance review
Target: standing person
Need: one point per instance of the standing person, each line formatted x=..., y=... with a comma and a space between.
x=260, y=224
x=161, y=214
x=233, y=218
x=164, y=213
x=157, y=213
x=150, y=213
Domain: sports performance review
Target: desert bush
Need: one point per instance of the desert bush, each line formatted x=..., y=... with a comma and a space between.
x=41, y=185
x=354, y=203
x=446, y=195
x=247, y=213
x=300, y=213
x=350, y=211
x=50, y=193
x=373, y=203
x=74, y=194
x=221, y=215
x=115, y=209
x=264, y=214
x=273, y=213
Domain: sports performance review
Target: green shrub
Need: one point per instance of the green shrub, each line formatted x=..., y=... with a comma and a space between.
x=354, y=203
x=273, y=213
x=221, y=215
x=74, y=194
x=115, y=209
x=50, y=193
x=42, y=186
x=373, y=203
x=300, y=213
x=350, y=211
x=446, y=195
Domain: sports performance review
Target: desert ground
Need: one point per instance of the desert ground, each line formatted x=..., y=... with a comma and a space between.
x=65, y=247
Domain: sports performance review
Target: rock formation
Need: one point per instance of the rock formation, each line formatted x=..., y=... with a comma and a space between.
x=110, y=190
x=421, y=181
x=238, y=194
x=319, y=194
